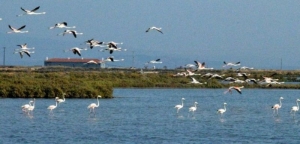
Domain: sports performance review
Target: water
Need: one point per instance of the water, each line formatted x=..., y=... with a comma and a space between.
x=148, y=116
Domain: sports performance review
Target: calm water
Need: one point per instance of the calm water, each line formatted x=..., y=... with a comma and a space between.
x=148, y=116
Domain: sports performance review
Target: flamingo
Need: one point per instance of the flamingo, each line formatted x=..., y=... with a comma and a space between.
x=52, y=107
x=155, y=61
x=23, y=47
x=277, y=106
x=190, y=73
x=193, y=108
x=111, y=49
x=201, y=66
x=238, y=89
x=26, y=106
x=194, y=81
x=74, y=32
x=93, y=43
x=21, y=52
x=61, y=25
x=76, y=50
x=92, y=106
x=221, y=111
x=14, y=30
x=295, y=108
x=91, y=62
x=61, y=100
x=113, y=44
x=111, y=59
x=31, y=107
x=178, y=107
x=0, y=18
x=154, y=28
x=31, y=12
x=231, y=64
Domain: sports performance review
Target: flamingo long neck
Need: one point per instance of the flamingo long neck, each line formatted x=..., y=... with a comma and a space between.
x=297, y=105
x=280, y=102
x=97, y=101
x=56, y=104
x=182, y=103
x=225, y=107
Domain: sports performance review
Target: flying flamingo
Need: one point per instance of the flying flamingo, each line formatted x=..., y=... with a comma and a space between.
x=92, y=106
x=178, y=107
x=31, y=12
x=76, y=50
x=21, y=52
x=295, y=108
x=231, y=64
x=221, y=111
x=277, y=106
x=52, y=107
x=61, y=25
x=23, y=47
x=154, y=28
x=74, y=32
x=14, y=30
x=238, y=89
x=111, y=59
x=193, y=108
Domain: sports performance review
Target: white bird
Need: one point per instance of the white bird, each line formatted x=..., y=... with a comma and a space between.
x=112, y=49
x=238, y=89
x=74, y=32
x=154, y=28
x=231, y=64
x=19, y=30
x=0, y=18
x=23, y=47
x=76, y=50
x=52, y=107
x=201, y=66
x=21, y=52
x=221, y=111
x=190, y=73
x=178, y=107
x=277, y=106
x=112, y=59
x=61, y=100
x=31, y=107
x=193, y=108
x=155, y=61
x=194, y=81
x=113, y=44
x=295, y=108
x=61, y=25
x=94, y=43
x=91, y=62
x=31, y=12
x=92, y=106
x=26, y=106
x=245, y=68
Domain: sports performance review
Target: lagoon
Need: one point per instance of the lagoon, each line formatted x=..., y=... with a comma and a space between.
x=149, y=116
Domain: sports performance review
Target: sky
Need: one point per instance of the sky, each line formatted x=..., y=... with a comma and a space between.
x=262, y=34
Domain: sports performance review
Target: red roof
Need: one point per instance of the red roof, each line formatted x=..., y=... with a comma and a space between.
x=74, y=60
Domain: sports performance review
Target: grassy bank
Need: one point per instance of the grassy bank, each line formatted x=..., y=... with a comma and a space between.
x=83, y=83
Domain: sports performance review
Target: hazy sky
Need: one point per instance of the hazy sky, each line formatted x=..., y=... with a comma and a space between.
x=257, y=33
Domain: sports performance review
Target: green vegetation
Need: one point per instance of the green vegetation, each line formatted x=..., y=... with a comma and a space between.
x=88, y=83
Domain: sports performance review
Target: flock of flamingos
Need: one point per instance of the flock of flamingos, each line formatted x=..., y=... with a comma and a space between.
x=28, y=108
x=113, y=46
x=110, y=46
